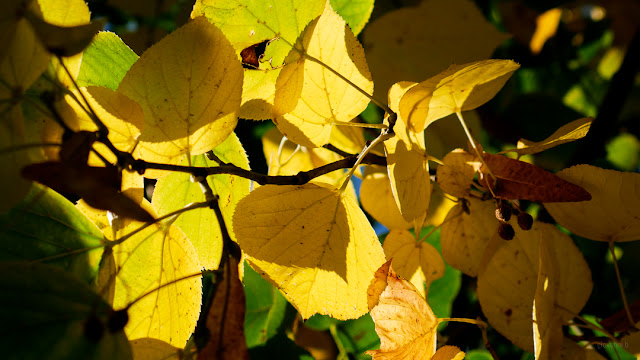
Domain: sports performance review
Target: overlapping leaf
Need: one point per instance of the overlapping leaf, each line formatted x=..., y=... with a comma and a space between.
x=404, y=321
x=459, y=88
x=159, y=271
x=310, y=97
x=313, y=243
x=612, y=214
x=417, y=261
x=507, y=286
x=189, y=86
x=105, y=62
x=176, y=191
x=377, y=199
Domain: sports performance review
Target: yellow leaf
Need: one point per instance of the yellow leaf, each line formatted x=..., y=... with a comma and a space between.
x=410, y=180
x=377, y=199
x=612, y=214
x=456, y=174
x=153, y=349
x=258, y=94
x=448, y=352
x=418, y=261
x=159, y=267
x=547, y=318
x=410, y=44
x=574, y=130
x=459, y=88
x=546, y=26
x=464, y=237
x=189, y=86
x=313, y=243
x=404, y=321
x=439, y=207
x=573, y=351
x=507, y=286
x=310, y=98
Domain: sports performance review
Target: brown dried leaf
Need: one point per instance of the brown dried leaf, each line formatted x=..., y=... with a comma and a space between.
x=521, y=180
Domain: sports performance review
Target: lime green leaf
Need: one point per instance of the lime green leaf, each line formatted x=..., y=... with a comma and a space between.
x=105, y=61
x=44, y=225
x=249, y=22
x=176, y=191
x=310, y=98
x=159, y=272
x=313, y=243
x=459, y=88
x=189, y=86
x=355, y=12
x=54, y=315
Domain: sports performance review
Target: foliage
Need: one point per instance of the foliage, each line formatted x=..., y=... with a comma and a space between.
x=373, y=225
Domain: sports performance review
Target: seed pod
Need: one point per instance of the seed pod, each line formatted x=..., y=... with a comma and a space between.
x=506, y=231
x=525, y=221
x=503, y=212
x=118, y=320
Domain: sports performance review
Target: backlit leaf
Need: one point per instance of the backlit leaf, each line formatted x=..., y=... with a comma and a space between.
x=105, y=61
x=176, y=191
x=404, y=321
x=465, y=236
x=521, y=180
x=410, y=44
x=574, y=130
x=44, y=225
x=159, y=267
x=506, y=288
x=310, y=98
x=459, y=88
x=69, y=316
x=417, y=261
x=613, y=213
x=189, y=86
x=313, y=243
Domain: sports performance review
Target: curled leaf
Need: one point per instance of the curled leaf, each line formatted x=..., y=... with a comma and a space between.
x=574, y=130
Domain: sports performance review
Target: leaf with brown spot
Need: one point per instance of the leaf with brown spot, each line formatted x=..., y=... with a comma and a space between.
x=520, y=180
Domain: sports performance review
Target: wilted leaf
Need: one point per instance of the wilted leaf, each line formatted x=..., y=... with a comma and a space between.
x=520, y=180
x=465, y=236
x=225, y=320
x=310, y=99
x=404, y=321
x=201, y=226
x=417, y=261
x=69, y=316
x=456, y=174
x=459, y=88
x=189, y=86
x=507, y=286
x=313, y=243
x=159, y=268
x=377, y=199
x=574, y=130
x=410, y=180
x=613, y=214
x=410, y=44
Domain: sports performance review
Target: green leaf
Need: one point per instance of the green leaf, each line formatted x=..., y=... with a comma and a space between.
x=623, y=152
x=48, y=313
x=358, y=336
x=46, y=225
x=105, y=61
x=265, y=310
x=176, y=190
x=478, y=355
x=355, y=12
x=249, y=22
